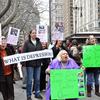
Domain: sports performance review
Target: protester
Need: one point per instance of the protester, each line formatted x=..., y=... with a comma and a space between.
x=6, y=72
x=45, y=63
x=74, y=52
x=15, y=70
x=33, y=67
x=92, y=73
x=57, y=47
x=62, y=61
x=19, y=50
x=68, y=43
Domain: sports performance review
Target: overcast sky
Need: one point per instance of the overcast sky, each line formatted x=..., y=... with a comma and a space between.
x=45, y=15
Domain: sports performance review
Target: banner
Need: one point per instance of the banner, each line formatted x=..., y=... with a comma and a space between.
x=13, y=36
x=42, y=32
x=28, y=56
x=91, y=56
x=67, y=84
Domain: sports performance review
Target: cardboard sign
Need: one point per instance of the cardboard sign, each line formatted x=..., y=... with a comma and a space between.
x=13, y=36
x=67, y=84
x=91, y=56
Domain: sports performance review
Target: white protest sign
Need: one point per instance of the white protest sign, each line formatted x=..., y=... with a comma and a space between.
x=58, y=31
x=42, y=32
x=13, y=36
x=0, y=33
x=28, y=56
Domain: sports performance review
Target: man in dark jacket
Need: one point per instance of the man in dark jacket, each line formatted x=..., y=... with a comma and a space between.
x=33, y=67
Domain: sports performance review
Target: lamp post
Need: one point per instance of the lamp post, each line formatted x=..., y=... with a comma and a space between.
x=50, y=21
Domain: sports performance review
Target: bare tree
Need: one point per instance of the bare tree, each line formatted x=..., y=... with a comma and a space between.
x=5, y=9
x=22, y=14
x=11, y=17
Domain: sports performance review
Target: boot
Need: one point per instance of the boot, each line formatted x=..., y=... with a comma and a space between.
x=97, y=90
x=88, y=90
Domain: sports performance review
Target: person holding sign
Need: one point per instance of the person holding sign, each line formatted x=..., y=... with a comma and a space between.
x=6, y=72
x=45, y=63
x=33, y=67
x=92, y=73
x=62, y=61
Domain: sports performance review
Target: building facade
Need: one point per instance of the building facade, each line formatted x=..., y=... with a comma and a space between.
x=87, y=15
x=68, y=17
x=56, y=15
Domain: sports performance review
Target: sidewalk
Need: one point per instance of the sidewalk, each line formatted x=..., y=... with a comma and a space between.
x=20, y=94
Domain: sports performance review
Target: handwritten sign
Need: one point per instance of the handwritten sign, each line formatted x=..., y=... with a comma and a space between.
x=91, y=56
x=67, y=84
x=28, y=56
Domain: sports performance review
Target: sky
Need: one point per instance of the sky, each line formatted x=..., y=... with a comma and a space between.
x=45, y=15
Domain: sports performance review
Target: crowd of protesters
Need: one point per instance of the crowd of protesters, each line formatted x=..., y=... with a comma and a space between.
x=36, y=69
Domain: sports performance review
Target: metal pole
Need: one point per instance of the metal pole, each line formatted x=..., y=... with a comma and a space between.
x=50, y=21
x=75, y=21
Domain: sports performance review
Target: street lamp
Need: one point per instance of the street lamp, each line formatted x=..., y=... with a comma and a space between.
x=50, y=21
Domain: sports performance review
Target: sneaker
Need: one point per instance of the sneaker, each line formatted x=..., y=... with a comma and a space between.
x=29, y=98
x=38, y=97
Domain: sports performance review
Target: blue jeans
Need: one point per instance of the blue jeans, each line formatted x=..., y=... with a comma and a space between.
x=93, y=77
x=33, y=72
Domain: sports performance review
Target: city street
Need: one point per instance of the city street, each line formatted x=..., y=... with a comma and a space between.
x=20, y=93
x=37, y=36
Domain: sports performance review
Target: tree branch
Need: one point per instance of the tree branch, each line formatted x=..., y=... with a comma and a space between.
x=17, y=18
x=8, y=4
x=10, y=18
x=25, y=23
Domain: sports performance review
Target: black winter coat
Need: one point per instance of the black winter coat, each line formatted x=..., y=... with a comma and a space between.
x=30, y=47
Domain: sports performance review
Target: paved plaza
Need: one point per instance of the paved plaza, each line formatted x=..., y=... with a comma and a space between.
x=20, y=94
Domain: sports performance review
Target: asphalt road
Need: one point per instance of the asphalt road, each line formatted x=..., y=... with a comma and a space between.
x=20, y=94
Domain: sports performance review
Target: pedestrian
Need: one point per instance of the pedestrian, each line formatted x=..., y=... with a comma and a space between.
x=33, y=67
x=45, y=63
x=57, y=47
x=92, y=73
x=15, y=70
x=74, y=52
x=62, y=61
x=6, y=72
